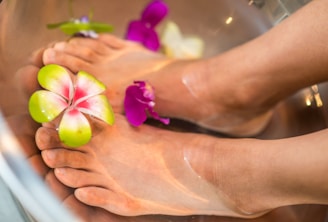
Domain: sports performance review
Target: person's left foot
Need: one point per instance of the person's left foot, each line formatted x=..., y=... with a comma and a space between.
x=115, y=62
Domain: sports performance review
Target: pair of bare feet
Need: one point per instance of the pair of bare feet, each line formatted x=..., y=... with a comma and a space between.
x=147, y=170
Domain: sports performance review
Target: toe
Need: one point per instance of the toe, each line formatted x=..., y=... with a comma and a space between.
x=96, y=46
x=86, y=52
x=27, y=79
x=112, y=41
x=73, y=63
x=47, y=138
x=79, y=178
x=109, y=200
x=38, y=165
x=56, y=186
x=61, y=157
x=36, y=57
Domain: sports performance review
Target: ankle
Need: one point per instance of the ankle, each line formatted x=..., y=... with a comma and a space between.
x=173, y=92
x=217, y=103
x=235, y=169
x=229, y=83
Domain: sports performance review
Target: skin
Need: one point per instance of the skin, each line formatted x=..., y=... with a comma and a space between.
x=25, y=129
x=26, y=135
x=288, y=171
x=256, y=73
x=101, y=171
x=102, y=57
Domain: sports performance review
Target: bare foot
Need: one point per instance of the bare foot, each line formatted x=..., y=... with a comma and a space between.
x=182, y=86
x=137, y=171
x=115, y=62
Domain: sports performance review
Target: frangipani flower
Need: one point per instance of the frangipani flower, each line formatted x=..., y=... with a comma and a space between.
x=82, y=27
x=140, y=100
x=143, y=29
x=62, y=96
x=175, y=45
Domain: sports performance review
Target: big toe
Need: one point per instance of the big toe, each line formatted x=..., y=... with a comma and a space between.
x=109, y=200
x=46, y=138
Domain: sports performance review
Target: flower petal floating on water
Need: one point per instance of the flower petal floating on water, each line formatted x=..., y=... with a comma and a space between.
x=140, y=101
x=175, y=45
x=143, y=29
x=61, y=96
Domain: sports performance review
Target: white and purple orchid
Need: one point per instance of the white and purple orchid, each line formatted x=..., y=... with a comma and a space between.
x=172, y=41
x=72, y=100
x=139, y=101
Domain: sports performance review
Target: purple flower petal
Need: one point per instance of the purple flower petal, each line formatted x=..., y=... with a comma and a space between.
x=137, y=31
x=84, y=19
x=139, y=99
x=151, y=40
x=148, y=94
x=154, y=13
x=155, y=115
x=143, y=30
x=134, y=109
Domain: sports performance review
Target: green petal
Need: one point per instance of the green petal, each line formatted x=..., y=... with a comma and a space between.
x=74, y=129
x=44, y=106
x=72, y=28
x=86, y=86
x=98, y=106
x=55, y=25
x=56, y=79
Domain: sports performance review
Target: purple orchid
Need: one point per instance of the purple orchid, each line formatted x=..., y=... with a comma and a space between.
x=84, y=33
x=143, y=29
x=140, y=100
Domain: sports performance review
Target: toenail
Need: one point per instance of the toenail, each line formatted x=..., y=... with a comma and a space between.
x=60, y=46
x=42, y=140
x=49, y=54
x=49, y=155
x=60, y=171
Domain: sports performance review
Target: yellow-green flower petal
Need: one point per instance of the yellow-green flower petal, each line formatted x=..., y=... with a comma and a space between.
x=56, y=79
x=44, y=106
x=98, y=106
x=74, y=129
x=70, y=28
